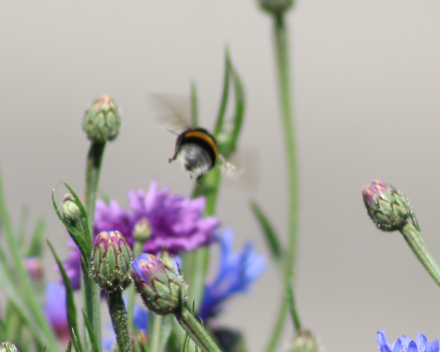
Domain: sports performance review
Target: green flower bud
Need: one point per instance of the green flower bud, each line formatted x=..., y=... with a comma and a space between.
x=387, y=207
x=8, y=347
x=276, y=6
x=304, y=341
x=71, y=212
x=111, y=261
x=142, y=231
x=102, y=120
x=162, y=289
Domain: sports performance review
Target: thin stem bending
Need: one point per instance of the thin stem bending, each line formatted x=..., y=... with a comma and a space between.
x=283, y=71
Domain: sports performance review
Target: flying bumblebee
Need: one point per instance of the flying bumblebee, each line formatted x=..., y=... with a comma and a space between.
x=196, y=148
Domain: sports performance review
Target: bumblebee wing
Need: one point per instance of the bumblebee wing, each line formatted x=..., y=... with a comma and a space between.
x=172, y=111
x=243, y=169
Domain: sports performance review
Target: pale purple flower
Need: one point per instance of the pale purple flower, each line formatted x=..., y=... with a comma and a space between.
x=235, y=274
x=405, y=344
x=176, y=224
x=55, y=309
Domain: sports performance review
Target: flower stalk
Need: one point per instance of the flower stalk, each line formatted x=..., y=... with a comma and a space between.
x=417, y=244
x=280, y=32
x=196, y=331
x=118, y=316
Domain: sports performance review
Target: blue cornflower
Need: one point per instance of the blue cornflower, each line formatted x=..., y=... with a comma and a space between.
x=236, y=272
x=404, y=343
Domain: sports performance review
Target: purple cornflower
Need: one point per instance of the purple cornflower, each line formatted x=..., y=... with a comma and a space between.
x=176, y=224
x=55, y=309
x=404, y=343
x=235, y=274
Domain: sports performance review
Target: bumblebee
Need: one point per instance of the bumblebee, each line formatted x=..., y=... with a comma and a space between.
x=196, y=150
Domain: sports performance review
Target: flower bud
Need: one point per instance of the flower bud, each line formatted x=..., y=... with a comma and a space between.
x=276, y=6
x=70, y=209
x=162, y=289
x=33, y=268
x=304, y=341
x=102, y=120
x=111, y=261
x=387, y=207
x=142, y=231
x=8, y=347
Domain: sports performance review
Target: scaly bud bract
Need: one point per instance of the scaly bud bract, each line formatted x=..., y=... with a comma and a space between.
x=162, y=289
x=387, y=207
x=71, y=211
x=102, y=120
x=8, y=347
x=142, y=231
x=276, y=6
x=111, y=261
x=304, y=341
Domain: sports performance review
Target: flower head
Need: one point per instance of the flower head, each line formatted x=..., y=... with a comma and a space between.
x=404, y=343
x=162, y=289
x=111, y=261
x=55, y=309
x=387, y=207
x=175, y=222
x=304, y=341
x=33, y=268
x=235, y=274
x=102, y=120
x=8, y=347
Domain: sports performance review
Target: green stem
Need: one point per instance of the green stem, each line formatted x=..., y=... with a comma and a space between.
x=118, y=315
x=132, y=291
x=94, y=160
x=417, y=244
x=155, y=338
x=283, y=71
x=196, y=331
x=209, y=188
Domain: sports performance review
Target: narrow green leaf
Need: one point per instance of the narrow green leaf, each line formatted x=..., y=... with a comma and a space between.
x=36, y=245
x=185, y=344
x=165, y=332
x=70, y=301
x=69, y=346
x=75, y=340
x=3, y=336
x=88, y=292
x=194, y=109
x=268, y=231
x=224, y=98
x=12, y=292
x=90, y=331
x=23, y=223
x=292, y=306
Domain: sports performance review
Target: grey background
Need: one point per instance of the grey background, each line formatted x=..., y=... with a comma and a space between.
x=366, y=83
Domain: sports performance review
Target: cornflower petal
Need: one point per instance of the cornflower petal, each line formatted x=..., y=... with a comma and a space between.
x=235, y=274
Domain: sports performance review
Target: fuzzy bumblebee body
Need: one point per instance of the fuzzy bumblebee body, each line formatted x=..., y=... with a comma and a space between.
x=196, y=150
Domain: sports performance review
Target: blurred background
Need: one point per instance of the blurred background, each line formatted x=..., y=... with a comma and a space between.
x=366, y=79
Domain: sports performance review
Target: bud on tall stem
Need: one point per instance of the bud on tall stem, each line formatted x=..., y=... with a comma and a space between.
x=390, y=210
x=163, y=291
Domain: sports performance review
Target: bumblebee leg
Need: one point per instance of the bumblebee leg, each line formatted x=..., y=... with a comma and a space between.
x=174, y=157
